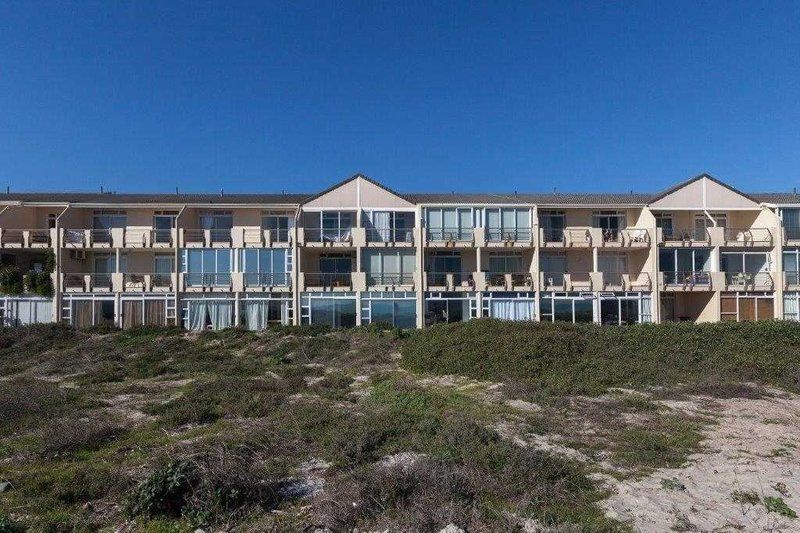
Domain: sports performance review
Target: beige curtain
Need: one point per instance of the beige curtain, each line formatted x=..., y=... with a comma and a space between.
x=131, y=313
x=82, y=314
x=155, y=313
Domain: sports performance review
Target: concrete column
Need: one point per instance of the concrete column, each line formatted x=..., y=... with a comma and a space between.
x=595, y=261
x=236, y=310
x=420, y=287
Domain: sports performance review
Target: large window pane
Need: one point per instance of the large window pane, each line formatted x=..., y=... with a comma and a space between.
x=562, y=310
x=382, y=311
x=584, y=310
x=405, y=314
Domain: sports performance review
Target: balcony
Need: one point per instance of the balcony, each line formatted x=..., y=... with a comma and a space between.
x=263, y=238
x=149, y=238
x=151, y=282
x=450, y=237
x=193, y=281
x=791, y=280
x=91, y=282
x=389, y=280
x=327, y=281
x=25, y=238
x=566, y=281
x=332, y=237
x=509, y=281
x=791, y=236
x=683, y=237
x=748, y=237
x=92, y=238
x=518, y=237
x=622, y=238
x=700, y=280
x=206, y=238
x=390, y=236
x=267, y=281
x=450, y=281
x=620, y=281
x=565, y=238
x=749, y=281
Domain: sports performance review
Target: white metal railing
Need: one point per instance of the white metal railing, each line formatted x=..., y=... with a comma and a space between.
x=699, y=278
x=390, y=278
x=390, y=234
x=267, y=279
x=450, y=234
x=509, y=235
x=677, y=235
x=749, y=280
x=328, y=279
x=748, y=236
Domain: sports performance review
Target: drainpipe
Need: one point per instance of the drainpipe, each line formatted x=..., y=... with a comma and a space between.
x=176, y=268
x=57, y=288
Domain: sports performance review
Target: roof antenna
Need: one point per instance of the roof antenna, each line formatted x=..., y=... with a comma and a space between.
x=515, y=193
x=554, y=190
x=8, y=189
x=101, y=189
x=631, y=191
x=221, y=191
x=176, y=191
x=794, y=190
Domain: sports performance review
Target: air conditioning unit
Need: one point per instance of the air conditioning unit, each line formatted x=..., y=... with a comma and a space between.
x=77, y=254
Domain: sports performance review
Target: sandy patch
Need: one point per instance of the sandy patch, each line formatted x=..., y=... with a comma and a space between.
x=753, y=448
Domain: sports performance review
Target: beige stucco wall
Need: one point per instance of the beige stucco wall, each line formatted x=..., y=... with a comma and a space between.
x=704, y=194
x=359, y=193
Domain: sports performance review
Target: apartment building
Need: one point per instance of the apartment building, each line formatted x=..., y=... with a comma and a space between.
x=359, y=252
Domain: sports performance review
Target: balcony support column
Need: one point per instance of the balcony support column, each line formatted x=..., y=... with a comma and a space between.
x=595, y=259
x=236, y=309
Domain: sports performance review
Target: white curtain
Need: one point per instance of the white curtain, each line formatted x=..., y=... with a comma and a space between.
x=382, y=221
x=524, y=309
x=221, y=314
x=646, y=315
x=519, y=310
x=257, y=312
x=503, y=309
x=26, y=312
x=790, y=307
x=197, y=315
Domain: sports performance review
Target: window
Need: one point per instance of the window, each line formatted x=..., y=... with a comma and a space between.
x=567, y=307
x=448, y=224
x=279, y=224
x=746, y=307
x=791, y=266
x=665, y=222
x=510, y=306
x=216, y=220
x=703, y=222
x=389, y=266
x=791, y=223
x=389, y=226
x=163, y=222
x=109, y=218
x=265, y=266
x=750, y=262
x=396, y=309
x=791, y=309
x=207, y=266
x=506, y=263
x=553, y=224
x=508, y=223
x=335, y=311
x=51, y=220
x=610, y=222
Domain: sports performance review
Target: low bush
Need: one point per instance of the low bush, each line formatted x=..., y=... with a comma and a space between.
x=24, y=401
x=587, y=358
x=65, y=436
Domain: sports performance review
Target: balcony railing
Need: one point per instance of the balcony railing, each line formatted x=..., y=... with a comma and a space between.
x=580, y=280
x=390, y=278
x=673, y=235
x=194, y=236
x=220, y=236
x=515, y=279
x=161, y=237
x=26, y=238
x=146, y=281
x=791, y=278
x=749, y=280
x=450, y=234
x=329, y=234
x=791, y=234
x=257, y=236
x=578, y=237
x=101, y=236
x=509, y=235
x=390, y=234
x=553, y=280
x=613, y=280
x=266, y=279
x=748, y=237
x=88, y=281
x=700, y=278
x=439, y=279
x=193, y=279
x=626, y=236
x=553, y=235
x=329, y=279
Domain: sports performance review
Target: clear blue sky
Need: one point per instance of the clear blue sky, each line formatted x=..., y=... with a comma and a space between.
x=423, y=96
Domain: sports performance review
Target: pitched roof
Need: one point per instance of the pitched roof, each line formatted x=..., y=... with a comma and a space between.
x=348, y=180
x=683, y=184
x=532, y=198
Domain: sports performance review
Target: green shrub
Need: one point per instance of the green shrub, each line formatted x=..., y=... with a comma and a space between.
x=11, y=280
x=775, y=504
x=7, y=525
x=164, y=492
x=24, y=401
x=587, y=358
